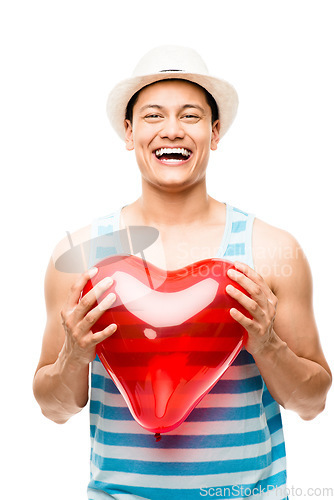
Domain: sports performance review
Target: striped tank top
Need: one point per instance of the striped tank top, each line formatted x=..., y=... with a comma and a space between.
x=230, y=446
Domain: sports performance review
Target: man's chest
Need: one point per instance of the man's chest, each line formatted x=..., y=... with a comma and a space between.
x=177, y=249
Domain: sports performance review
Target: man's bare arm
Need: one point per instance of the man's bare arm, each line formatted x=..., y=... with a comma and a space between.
x=282, y=336
x=61, y=379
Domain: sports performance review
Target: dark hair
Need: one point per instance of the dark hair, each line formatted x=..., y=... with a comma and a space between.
x=209, y=99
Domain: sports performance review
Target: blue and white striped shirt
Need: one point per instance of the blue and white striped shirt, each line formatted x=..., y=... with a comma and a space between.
x=230, y=446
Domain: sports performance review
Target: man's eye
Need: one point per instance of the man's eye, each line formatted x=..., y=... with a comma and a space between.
x=152, y=116
x=191, y=117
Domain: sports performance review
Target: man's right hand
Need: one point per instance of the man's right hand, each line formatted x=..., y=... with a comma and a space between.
x=61, y=382
x=78, y=316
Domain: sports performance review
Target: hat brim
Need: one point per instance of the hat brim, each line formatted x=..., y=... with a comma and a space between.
x=223, y=92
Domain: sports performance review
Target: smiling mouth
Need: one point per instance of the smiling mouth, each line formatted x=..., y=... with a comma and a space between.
x=172, y=156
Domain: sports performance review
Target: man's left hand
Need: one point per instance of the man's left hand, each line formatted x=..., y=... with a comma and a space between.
x=261, y=305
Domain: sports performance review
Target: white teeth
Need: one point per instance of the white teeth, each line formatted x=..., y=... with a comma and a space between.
x=182, y=151
x=172, y=160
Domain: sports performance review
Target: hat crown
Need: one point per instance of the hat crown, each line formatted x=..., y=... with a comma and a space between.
x=166, y=62
x=171, y=58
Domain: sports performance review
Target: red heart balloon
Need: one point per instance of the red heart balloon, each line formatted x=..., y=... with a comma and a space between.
x=174, y=339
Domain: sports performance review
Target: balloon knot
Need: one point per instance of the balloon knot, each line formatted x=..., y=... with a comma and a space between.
x=157, y=436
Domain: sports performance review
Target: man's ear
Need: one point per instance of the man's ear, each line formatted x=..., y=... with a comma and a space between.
x=215, y=135
x=128, y=135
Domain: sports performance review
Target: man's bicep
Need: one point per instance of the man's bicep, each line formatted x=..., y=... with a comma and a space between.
x=57, y=287
x=295, y=321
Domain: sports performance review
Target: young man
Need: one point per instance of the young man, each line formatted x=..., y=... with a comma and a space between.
x=172, y=113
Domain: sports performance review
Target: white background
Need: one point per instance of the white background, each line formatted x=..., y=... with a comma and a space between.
x=62, y=165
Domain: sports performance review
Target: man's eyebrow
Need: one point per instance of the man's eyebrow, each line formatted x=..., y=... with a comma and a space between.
x=185, y=106
x=155, y=106
x=196, y=106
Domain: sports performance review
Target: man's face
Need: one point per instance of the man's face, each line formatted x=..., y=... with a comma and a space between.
x=172, y=134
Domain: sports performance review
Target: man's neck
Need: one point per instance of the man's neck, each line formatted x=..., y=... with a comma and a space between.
x=165, y=209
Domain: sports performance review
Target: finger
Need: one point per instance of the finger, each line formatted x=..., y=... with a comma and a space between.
x=247, y=302
x=88, y=300
x=255, y=290
x=258, y=279
x=249, y=272
x=94, y=314
x=104, y=334
x=76, y=289
x=247, y=323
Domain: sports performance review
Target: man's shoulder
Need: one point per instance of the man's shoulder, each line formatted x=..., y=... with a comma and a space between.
x=268, y=236
x=69, y=248
x=64, y=267
x=275, y=252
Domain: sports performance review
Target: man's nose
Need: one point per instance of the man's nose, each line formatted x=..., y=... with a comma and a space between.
x=172, y=129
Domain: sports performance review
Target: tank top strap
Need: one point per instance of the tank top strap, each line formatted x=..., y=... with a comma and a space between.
x=100, y=248
x=237, y=241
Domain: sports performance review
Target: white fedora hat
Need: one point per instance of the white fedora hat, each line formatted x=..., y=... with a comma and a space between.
x=166, y=62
